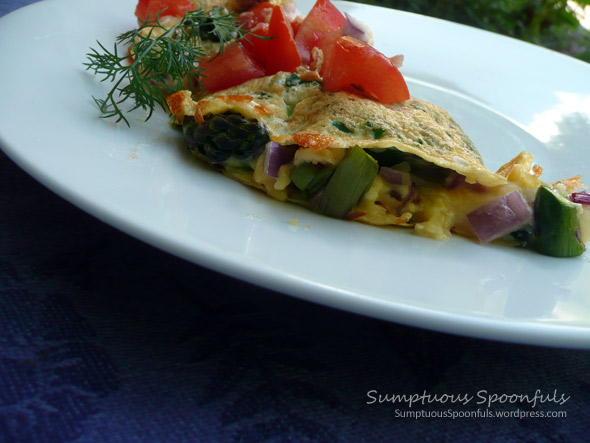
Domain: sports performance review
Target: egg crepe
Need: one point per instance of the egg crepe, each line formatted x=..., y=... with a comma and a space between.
x=304, y=115
x=427, y=173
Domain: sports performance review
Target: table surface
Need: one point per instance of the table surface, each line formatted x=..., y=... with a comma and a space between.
x=103, y=338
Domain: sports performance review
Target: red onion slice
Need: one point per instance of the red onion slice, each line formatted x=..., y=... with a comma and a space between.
x=454, y=180
x=582, y=197
x=394, y=177
x=406, y=200
x=501, y=216
x=355, y=28
x=276, y=156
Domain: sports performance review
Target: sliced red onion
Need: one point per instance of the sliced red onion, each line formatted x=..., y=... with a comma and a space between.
x=391, y=176
x=406, y=200
x=276, y=156
x=582, y=197
x=501, y=216
x=357, y=29
x=397, y=195
x=394, y=177
x=455, y=180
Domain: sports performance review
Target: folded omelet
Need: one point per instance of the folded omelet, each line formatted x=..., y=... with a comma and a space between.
x=345, y=156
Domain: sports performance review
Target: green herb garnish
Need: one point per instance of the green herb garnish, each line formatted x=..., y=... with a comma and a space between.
x=290, y=109
x=342, y=127
x=160, y=63
x=295, y=80
x=378, y=133
x=292, y=80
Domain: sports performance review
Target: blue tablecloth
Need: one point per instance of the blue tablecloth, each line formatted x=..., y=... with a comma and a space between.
x=103, y=338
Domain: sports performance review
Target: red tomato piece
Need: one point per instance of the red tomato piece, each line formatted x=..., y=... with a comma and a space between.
x=259, y=13
x=256, y=20
x=323, y=24
x=141, y=9
x=149, y=9
x=357, y=67
x=282, y=54
x=296, y=24
x=232, y=67
x=255, y=46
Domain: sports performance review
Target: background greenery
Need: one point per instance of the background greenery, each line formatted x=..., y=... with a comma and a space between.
x=550, y=23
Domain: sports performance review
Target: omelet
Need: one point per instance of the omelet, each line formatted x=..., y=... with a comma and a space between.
x=406, y=164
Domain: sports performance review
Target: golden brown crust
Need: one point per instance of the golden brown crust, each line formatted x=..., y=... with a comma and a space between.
x=181, y=105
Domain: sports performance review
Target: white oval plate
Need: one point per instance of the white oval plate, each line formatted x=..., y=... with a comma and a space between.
x=507, y=95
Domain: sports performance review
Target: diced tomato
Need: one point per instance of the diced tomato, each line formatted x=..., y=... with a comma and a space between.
x=232, y=67
x=357, y=67
x=323, y=24
x=296, y=24
x=278, y=53
x=282, y=54
x=141, y=9
x=257, y=46
x=149, y=9
x=256, y=20
x=259, y=13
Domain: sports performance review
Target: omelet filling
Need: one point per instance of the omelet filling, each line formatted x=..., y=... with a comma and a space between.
x=406, y=164
x=432, y=208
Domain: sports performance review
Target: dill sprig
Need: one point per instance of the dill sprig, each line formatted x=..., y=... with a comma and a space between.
x=158, y=60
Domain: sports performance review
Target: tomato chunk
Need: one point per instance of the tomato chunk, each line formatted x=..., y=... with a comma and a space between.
x=322, y=25
x=259, y=13
x=256, y=20
x=357, y=67
x=149, y=9
x=282, y=54
x=141, y=9
x=257, y=47
x=232, y=67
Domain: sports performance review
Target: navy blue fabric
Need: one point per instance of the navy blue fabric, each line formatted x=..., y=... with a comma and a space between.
x=103, y=338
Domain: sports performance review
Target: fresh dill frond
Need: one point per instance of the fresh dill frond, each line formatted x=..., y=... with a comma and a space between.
x=158, y=60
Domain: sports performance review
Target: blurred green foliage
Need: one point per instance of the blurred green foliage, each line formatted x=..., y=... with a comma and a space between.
x=550, y=23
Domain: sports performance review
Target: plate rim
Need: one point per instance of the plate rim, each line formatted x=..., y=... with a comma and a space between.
x=556, y=335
